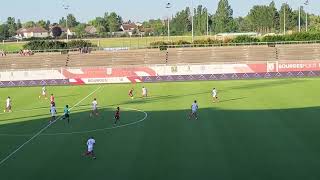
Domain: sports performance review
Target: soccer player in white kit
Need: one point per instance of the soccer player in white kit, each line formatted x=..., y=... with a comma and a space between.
x=144, y=92
x=53, y=112
x=8, y=105
x=90, y=145
x=94, y=108
x=194, y=109
x=44, y=92
x=215, y=95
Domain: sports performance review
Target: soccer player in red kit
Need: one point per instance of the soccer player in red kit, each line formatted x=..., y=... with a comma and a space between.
x=51, y=99
x=131, y=93
x=117, y=116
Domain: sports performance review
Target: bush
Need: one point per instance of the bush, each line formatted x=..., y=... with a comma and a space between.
x=46, y=45
x=180, y=42
x=207, y=41
x=273, y=38
x=293, y=37
x=244, y=39
x=79, y=44
x=43, y=45
x=159, y=43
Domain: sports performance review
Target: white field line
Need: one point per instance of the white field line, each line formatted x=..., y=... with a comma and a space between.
x=43, y=129
x=32, y=110
x=86, y=131
x=101, y=129
x=29, y=110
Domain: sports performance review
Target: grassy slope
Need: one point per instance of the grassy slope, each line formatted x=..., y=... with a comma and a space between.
x=133, y=42
x=263, y=129
x=12, y=46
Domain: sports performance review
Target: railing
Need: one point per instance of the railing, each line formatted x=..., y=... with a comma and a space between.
x=175, y=46
x=163, y=65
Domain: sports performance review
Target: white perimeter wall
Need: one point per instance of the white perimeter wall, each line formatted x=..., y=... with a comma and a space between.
x=30, y=75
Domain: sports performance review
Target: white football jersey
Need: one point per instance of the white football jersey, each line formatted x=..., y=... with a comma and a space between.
x=8, y=101
x=214, y=92
x=91, y=142
x=94, y=104
x=53, y=110
x=194, y=107
x=144, y=90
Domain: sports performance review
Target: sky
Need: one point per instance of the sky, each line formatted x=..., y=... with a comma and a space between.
x=135, y=10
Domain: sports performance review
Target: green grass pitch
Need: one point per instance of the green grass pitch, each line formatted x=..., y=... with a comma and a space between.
x=260, y=130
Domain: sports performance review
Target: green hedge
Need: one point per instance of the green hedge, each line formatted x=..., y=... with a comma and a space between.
x=47, y=45
x=207, y=41
x=244, y=39
x=292, y=37
x=79, y=44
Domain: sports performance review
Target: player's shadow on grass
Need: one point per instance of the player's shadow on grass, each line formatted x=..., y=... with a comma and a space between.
x=35, y=122
x=222, y=143
x=4, y=119
x=151, y=98
x=69, y=95
x=232, y=99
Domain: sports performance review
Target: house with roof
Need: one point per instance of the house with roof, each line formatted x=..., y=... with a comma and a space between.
x=129, y=28
x=68, y=31
x=34, y=32
x=91, y=30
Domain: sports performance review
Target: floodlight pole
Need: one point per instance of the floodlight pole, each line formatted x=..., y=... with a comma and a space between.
x=299, y=18
x=207, y=23
x=284, y=19
x=192, y=23
x=66, y=7
x=306, y=4
x=168, y=6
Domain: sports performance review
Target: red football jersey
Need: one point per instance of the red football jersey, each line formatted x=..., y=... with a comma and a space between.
x=117, y=113
x=52, y=98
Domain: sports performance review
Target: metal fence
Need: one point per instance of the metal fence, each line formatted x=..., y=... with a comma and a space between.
x=144, y=43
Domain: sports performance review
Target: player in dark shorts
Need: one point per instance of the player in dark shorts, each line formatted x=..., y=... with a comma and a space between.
x=117, y=116
x=66, y=113
x=131, y=93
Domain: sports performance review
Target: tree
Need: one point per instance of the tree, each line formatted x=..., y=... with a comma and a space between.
x=62, y=22
x=114, y=21
x=243, y=24
x=274, y=15
x=100, y=24
x=19, y=25
x=12, y=26
x=200, y=20
x=56, y=31
x=80, y=30
x=4, y=31
x=29, y=24
x=314, y=23
x=223, y=18
x=262, y=18
x=48, y=25
x=156, y=26
x=181, y=23
x=287, y=16
x=42, y=24
x=72, y=21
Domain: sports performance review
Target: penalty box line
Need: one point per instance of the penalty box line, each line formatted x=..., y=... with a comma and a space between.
x=45, y=128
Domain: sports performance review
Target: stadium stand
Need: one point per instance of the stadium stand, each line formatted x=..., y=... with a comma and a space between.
x=155, y=56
